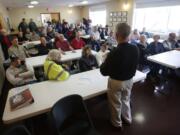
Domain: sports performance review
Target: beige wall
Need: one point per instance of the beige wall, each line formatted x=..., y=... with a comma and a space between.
x=4, y=12
x=112, y=5
x=2, y=72
x=16, y=14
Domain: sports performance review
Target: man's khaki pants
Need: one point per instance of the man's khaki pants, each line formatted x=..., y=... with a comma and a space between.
x=119, y=93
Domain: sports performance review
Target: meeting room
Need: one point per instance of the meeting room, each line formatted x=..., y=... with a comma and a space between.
x=89, y=67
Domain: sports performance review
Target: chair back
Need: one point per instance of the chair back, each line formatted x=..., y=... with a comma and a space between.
x=17, y=130
x=70, y=114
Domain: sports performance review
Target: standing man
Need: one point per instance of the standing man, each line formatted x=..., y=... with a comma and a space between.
x=32, y=25
x=120, y=66
x=23, y=26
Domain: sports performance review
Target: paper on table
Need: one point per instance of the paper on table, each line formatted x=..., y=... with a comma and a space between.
x=20, y=89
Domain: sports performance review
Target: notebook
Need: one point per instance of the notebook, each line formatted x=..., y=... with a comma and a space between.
x=21, y=99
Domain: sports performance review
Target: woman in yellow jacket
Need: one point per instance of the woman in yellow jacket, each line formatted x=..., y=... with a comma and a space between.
x=52, y=70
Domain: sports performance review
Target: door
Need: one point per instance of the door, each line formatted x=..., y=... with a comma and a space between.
x=55, y=16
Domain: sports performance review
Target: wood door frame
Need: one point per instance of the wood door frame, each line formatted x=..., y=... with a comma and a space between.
x=52, y=13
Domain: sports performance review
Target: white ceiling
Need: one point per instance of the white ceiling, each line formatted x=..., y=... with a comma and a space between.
x=153, y=3
x=47, y=3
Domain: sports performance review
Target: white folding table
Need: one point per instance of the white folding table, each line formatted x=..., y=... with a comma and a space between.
x=87, y=84
x=170, y=59
x=69, y=55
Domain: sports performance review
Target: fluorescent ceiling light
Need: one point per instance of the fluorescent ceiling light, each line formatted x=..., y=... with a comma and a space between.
x=84, y=2
x=71, y=5
x=30, y=6
x=34, y=2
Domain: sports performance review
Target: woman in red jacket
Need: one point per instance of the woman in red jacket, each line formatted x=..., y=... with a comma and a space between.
x=77, y=42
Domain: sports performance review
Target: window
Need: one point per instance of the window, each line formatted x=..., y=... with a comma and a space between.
x=98, y=16
x=158, y=19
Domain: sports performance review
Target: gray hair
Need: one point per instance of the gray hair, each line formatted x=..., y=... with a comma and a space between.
x=54, y=55
x=123, y=30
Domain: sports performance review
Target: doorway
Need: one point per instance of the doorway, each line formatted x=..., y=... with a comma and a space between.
x=45, y=17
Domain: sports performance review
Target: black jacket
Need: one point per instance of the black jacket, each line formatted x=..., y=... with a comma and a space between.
x=87, y=63
x=121, y=63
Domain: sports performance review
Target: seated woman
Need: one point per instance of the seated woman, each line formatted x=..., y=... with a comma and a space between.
x=62, y=44
x=102, y=54
x=54, y=71
x=134, y=37
x=87, y=61
x=77, y=42
x=111, y=40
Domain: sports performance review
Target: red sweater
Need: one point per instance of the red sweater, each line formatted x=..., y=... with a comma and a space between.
x=77, y=44
x=64, y=45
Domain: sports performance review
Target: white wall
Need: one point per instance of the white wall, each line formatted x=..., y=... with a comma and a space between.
x=16, y=14
x=112, y=5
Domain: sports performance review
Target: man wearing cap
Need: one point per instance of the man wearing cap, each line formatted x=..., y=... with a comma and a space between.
x=19, y=73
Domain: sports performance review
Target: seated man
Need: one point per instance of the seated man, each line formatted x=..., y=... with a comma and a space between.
x=50, y=33
x=70, y=34
x=17, y=49
x=142, y=46
x=62, y=44
x=34, y=36
x=102, y=54
x=52, y=69
x=18, y=73
x=44, y=47
x=94, y=44
x=28, y=34
x=87, y=61
x=102, y=33
x=77, y=42
x=171, y=42
x=155, y=47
